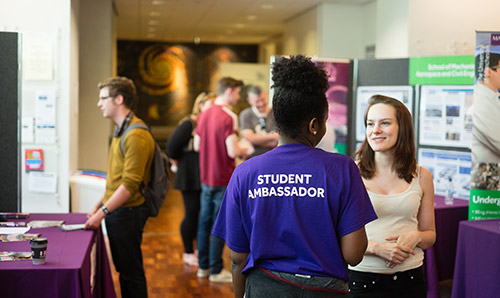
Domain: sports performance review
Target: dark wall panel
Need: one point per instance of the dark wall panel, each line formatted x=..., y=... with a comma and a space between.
x=383, y=72
x=9, y=73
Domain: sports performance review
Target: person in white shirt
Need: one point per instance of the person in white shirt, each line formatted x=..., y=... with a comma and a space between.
x=486, y=110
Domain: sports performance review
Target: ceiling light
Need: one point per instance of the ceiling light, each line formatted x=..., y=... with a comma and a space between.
x=157, y=2
x=267, y=6
x=197, y=40
x=151, y=35
x=154, y=13
x=153, y=22
x=251, y=17
x=239, y=26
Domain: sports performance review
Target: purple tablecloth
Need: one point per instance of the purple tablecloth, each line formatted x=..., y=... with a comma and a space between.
x=477, y=265
x=68, y=266
x=440, y=258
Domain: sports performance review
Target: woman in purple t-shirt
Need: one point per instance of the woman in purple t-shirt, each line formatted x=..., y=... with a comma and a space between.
x=294, y=216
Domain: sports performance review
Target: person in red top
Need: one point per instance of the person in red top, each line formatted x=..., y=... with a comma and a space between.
x=216, y=139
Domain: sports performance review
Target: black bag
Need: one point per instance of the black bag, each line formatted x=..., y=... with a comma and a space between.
x=158, y=185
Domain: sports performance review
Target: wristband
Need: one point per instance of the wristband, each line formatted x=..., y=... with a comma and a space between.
x=105, y=210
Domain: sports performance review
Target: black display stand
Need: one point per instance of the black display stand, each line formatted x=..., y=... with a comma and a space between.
x=10, y=194
x=380, y=72
x=383, y=72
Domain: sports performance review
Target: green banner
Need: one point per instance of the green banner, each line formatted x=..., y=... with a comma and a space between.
x=484, y=204
x=452, y=70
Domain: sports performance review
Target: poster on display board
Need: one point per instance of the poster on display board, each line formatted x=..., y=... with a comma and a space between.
x=485, y=189
x=446, y=116
x=338, y=71
x=447, y=70
x=445, y=165
x=401, y=93
x=484, y=200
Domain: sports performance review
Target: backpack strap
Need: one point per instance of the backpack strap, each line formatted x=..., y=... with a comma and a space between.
x=129, y=128
x=122, y=145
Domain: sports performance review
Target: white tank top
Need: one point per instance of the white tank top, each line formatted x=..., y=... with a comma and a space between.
x=397, y=213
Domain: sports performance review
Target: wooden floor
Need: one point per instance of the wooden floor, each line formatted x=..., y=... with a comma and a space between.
x=166, y=274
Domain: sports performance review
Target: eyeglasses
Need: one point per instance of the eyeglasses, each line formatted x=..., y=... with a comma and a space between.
x=106, y=97
x=495, y=67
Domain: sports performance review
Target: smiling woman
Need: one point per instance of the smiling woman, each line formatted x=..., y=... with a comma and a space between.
x=381, y=127
x=394, y=114
x=402, y=194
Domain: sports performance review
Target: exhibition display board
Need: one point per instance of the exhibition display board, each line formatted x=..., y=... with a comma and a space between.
x=444, y=122
x=458, y=70
x=381, y=76
x=402, y=93
x=485, y=175
x=438, y=92
x=339, y=72
x=445, y=165
x=445, y=116
x=339, y=87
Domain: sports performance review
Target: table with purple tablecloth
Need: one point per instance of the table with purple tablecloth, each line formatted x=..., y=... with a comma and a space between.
x=477, y=264
x=76, y=264
x=440, y=258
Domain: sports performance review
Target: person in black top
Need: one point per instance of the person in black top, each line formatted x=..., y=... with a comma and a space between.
x=185, y=162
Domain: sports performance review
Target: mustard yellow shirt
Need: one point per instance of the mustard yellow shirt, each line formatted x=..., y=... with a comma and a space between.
x=131, y=168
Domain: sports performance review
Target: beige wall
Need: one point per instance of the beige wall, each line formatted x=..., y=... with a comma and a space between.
x=391, y=27
x=97, y=56
x=340, y=31
x=447, y=27
x=300, y=36
x=397, y=28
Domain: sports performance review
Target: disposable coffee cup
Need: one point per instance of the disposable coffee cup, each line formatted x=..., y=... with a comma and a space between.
x=38, y=250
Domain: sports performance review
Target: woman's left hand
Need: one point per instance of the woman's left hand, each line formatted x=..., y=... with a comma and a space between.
x=409, y=239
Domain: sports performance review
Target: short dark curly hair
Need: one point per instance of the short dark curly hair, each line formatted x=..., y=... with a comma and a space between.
x=299, y=93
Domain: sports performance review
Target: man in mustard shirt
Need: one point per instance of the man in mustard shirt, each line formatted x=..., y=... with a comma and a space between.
x=122, y=204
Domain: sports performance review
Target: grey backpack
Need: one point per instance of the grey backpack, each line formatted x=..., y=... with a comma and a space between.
x=158, y=185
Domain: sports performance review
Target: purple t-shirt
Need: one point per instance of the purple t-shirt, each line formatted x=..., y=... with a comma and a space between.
x=289, y=207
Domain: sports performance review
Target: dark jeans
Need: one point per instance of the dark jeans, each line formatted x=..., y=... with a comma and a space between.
x=189, y=224
x=263, y=283
x=210, y=247
x=125, y=226
x=406, y=284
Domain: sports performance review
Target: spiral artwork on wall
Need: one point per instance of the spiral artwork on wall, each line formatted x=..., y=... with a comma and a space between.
x=163, y=72
x=169, y=76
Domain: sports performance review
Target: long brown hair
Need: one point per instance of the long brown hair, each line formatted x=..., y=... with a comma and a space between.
x=404, y=158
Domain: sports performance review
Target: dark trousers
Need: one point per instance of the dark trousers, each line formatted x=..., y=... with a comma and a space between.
x=189, y=224
x=263, y=283
x=406, y=284
x=125, y=226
